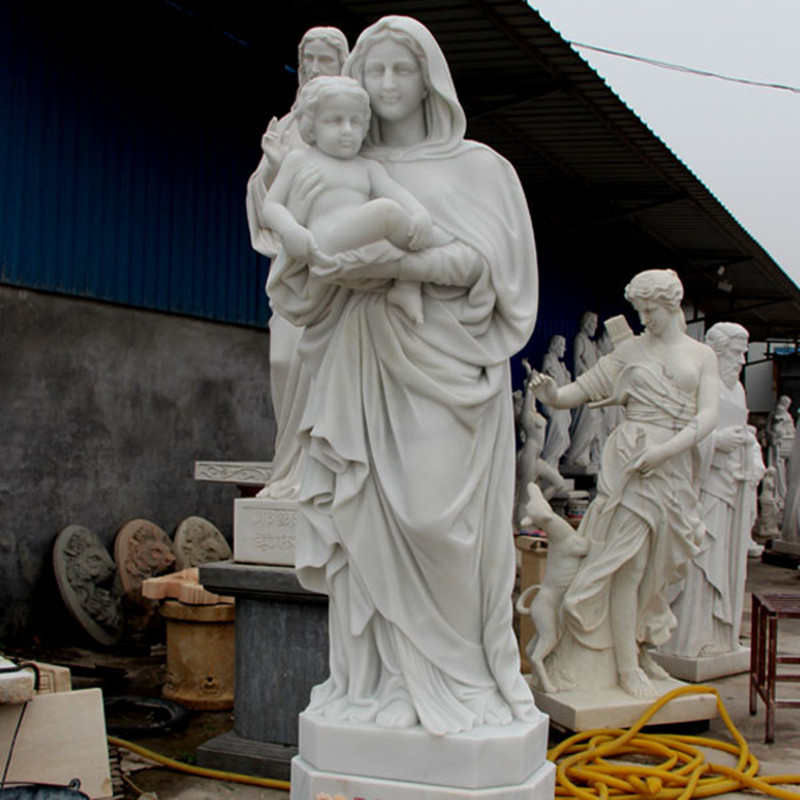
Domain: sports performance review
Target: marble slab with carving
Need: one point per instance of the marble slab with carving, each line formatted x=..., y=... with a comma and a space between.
x=264, y=531
x=89, y=583
x=242, y=473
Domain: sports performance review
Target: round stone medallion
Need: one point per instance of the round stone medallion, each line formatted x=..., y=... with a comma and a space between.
x=198, y=542
x=89, y=583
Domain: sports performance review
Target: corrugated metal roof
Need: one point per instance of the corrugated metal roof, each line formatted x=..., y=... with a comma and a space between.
x=607, y=197
x=603, y=188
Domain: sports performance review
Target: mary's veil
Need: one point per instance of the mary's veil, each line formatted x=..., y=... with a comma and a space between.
x=445, y=120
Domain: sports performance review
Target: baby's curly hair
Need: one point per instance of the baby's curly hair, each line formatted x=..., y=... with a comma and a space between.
x=319, y=89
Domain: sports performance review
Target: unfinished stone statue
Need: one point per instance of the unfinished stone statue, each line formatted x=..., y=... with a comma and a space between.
x=199, y=542
x=709, y=606
x=87, y=578
x=780, y=437
x=558, y=419
x=322, y=51
x=531, y=467
x=586, y=422
x=408, y=475
x=645, y=523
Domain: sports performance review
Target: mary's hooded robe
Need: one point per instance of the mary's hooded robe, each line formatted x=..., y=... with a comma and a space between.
x=406, y=498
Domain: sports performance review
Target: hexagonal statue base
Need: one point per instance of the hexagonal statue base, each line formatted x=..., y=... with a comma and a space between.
x=504, y=762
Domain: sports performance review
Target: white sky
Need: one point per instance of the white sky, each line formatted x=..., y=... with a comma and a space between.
x=743, y=142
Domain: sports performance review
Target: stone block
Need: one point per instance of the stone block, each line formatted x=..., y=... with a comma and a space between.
x=264, y=531
x=708, y=668
x=584, y=709
x=490, y=755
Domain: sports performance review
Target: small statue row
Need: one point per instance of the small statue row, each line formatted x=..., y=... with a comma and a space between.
x=575, y=438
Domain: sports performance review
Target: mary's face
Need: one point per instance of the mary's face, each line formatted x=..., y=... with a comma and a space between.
x=394, y=81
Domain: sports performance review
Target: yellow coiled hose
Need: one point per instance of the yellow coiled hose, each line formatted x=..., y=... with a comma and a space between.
x=584, y=768
x=680, y=771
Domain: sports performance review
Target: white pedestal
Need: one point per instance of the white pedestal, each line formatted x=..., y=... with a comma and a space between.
x=504, y=762
x=698, y=670
x=583, y=710
x=264, y=531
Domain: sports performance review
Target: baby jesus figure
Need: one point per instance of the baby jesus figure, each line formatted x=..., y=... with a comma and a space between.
x=353, y=203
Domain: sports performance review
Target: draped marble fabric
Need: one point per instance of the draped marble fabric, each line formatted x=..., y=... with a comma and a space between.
x=407, y=489
x=709, y=606
x=660, y=511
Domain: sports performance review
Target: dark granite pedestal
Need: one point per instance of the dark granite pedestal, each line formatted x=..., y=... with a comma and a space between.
x=281, y=652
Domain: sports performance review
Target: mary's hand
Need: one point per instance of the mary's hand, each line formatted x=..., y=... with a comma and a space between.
x=420, y=230
x=728, y=439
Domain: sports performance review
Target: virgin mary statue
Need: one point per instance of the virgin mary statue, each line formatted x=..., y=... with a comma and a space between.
x=407, y=490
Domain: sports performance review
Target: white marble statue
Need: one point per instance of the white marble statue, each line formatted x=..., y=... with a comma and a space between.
x=558, y=419
x=709, y=606
x=322, y=51
x=531, y=467
x=790, y=526
x=408, y=475
x=586, y=422
x=780, y=438
x=644, y=525
x=769, y=515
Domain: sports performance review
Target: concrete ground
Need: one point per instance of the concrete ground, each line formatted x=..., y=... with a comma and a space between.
x=781, y=757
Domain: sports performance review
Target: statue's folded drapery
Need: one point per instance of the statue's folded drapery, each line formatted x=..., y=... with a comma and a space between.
x=408, y=480
x=660, y=510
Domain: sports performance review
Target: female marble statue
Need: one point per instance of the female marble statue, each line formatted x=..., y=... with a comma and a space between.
x=558, y=419
x=531, y=466
x=407, y=487
x=322, y=51
x=644, y=524
x=709, y=607
x=586, y=422
x=780, y=435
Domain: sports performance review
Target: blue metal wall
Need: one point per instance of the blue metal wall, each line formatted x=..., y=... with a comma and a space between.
x=114, y=184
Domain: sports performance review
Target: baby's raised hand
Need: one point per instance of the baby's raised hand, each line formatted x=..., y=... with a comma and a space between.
x=420, y=230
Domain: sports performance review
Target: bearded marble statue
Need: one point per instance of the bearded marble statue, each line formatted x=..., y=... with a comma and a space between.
x=322, y=51
x=709, y=606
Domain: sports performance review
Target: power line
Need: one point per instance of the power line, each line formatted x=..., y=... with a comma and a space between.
x=678, y=68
